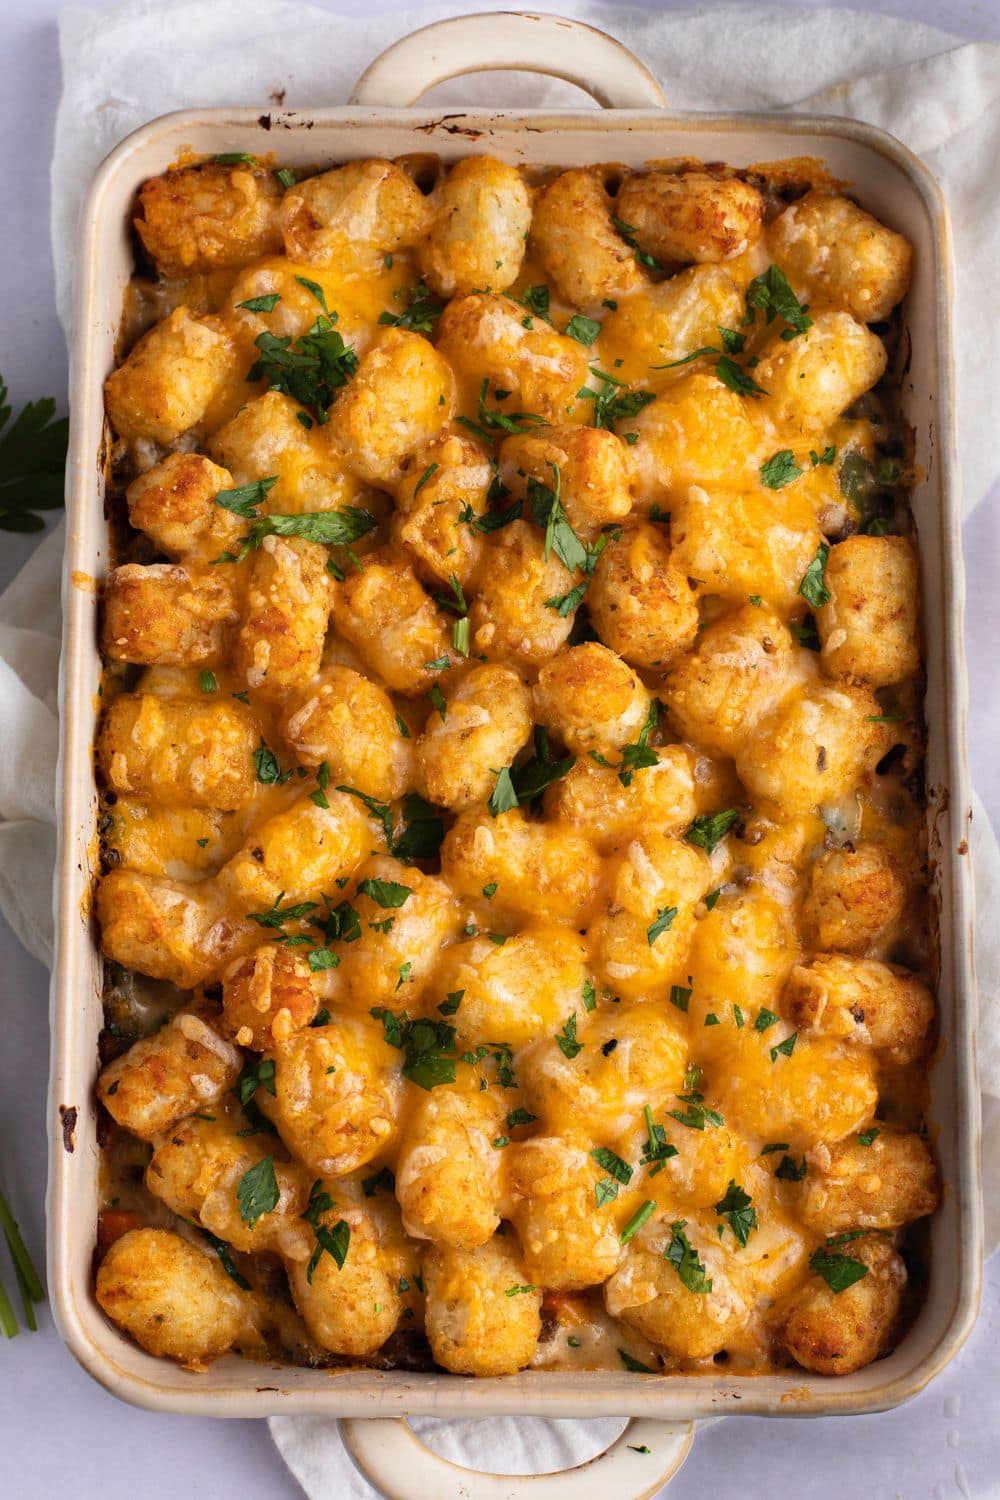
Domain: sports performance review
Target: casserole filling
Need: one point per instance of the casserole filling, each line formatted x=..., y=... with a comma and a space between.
x=514, y=886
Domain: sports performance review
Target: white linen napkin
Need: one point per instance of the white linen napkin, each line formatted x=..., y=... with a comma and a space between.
x=121, y=68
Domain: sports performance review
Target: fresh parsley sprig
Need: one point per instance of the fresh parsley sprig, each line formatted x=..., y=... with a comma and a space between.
x=32, y=462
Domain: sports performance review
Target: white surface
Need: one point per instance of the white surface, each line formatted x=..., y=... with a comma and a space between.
x=57, y=1429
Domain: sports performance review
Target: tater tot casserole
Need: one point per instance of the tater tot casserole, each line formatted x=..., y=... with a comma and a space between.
x=514, y=893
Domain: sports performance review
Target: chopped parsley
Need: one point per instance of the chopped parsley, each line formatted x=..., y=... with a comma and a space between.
x=697, y=1115
x=779, y=470
x=866, y=1137
x=312, y=368
x=428, y=472
x=680, y=995
x=772, y=294
x=737, y=1209
x=613, y=402
x=785, y=1048
x=839, y=1271
x=256, y=1075
x=708, y=830
x=765, y=1019
x=429, y=1046
x=208, y=682
x=520, y=1116
x=584, y=330
x=334, y=1242
x=384, y=1178
x=568, y=1044
x=225, y=1254
x=449, y=1006
x=422, y=312
x=789, y=1171
x=386, y=893
x=613, y=1164
x=813, y=585
x=257, y=1191
x=664, y=920
x=684, y=1258
x=657, y=1150
x=490, y=421
x=640, y=755
x=635, y=1365
x=628, y=233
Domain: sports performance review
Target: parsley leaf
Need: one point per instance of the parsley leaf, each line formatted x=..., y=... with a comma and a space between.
x=429, y=1046
x=520, y=1116
x=684, y=1258
x=788, y=1171
x=635, y=1365
x=664, y=920
x=680, y=996
x=837, y=1270
x=736, y=379
x=387, y=893
x=612, y=403
x=584, y=330
x=805, y=632
x=257, y=1191
x=708, y=830
x=269, y=773
x=278, y=915
x=421, y=314
x=225, y=1254
x=311, y=369
x=536, y=300
x=785, y=1048
x=334, y=1242
x=244, y=500
x=266, y=303
x=627, y=232
x=384, y=1178
x=489, y=422
x=640, y=756
x=736, y=1207
x=867, y=1137
x=568, y=1044
x=813, y=586
x=779, y=470
x=612, y=1163
x=765, y=1019
x=773, y=295
x=256, y=1075
x=657, y=1150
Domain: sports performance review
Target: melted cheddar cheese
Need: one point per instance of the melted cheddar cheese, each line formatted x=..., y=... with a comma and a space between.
x=514, y=893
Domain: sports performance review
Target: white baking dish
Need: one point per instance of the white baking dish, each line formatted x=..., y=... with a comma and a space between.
x=635, y=128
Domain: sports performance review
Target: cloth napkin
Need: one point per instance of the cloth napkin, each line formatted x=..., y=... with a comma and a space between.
x=123, y=67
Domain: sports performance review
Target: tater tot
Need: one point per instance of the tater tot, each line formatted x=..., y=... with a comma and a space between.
x=401, y=934
x=814, y=748
x=474, y=1326
x=568, y=1236
x=299, y=853
x=166, y=929
x=640, y=601
x=195, y=752
x=350, y=1309
x=758, y=543
x=395, y=627
x=267, y=995
x=868, y=628
x=691, y=216
x=166, y=615
x=577, y=243
x=482, y=335
x=591, y=699
x=535, y=866
x=880, y=1183
x=183, y=1067
x=631, y=1056
x=487, y=721
x=669, y=321
x=819, y=1091
x=287, y=607
x=444, y=485
x=742, y=952
x=349, y=722
x=479, y=228
x=882, y=1006
x=742, y=666
x=335, y=1094
x=401, y=397
x=829, y=247
x=697, y=431
x=165, y=385
x=174, y=503
x=519, y=991
x=854, y=896
x=197, y=1169
x=448, y=1173
x=593, y=799
x=353, y=214
x=702, y=1166
x=812, y=379
x=266, y=440
x=642, y=939
x=511, y=615
x=172, y=1298
x=593, y=472
x=835, y=1333
x=209, y=218
x=647, y=1292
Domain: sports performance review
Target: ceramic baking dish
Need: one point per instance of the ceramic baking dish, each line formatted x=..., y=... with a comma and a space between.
x=635, y=126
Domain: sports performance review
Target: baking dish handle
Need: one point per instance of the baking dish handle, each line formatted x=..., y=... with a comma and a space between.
x=400, y=1467
x=506, y=40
